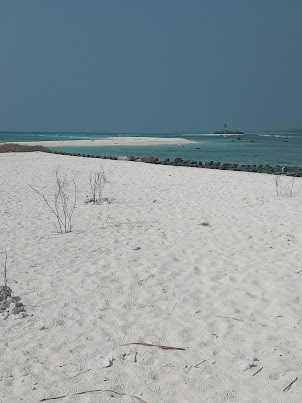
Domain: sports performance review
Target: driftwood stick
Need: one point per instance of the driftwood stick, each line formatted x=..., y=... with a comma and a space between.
x=91, y=391
x=155, y=345
x=228, y=317
x=290, y=385
x=258, y=371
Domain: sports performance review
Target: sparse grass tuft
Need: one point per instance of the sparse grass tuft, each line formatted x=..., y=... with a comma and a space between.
x=285, y=187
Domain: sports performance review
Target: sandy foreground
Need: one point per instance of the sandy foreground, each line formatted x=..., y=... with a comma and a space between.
x=143, y=268
x=112, y=141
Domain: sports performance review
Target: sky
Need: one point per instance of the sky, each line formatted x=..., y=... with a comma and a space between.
x=131, y=66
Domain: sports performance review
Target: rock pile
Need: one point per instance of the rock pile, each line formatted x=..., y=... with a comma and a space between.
x=10, y=305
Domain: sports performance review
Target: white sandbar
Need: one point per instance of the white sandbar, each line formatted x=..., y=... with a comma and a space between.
x=112, y=141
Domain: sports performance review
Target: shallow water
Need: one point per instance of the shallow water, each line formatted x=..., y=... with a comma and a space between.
x=283, y=147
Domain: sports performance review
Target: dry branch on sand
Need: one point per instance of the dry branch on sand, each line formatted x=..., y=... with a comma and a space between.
x=62, y=206
x=155, y=345
x=93, y=391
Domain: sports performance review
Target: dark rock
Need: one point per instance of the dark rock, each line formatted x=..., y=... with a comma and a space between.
x=149, y=159
x=177, y=161
x=130, y=158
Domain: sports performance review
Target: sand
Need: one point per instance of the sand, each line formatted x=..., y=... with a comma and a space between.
x=112, y=141
x=143, y=268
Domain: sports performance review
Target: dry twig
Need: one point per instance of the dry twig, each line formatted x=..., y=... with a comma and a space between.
x=290, y=385
x=91, y=391
x=258, y=371
x=5, y=275
x=155, y=345
x=228, y=317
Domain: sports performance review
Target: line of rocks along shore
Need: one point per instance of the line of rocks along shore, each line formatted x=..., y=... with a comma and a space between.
x=260, y=168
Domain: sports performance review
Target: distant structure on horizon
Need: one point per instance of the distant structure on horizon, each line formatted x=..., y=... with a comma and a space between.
x=226, y=131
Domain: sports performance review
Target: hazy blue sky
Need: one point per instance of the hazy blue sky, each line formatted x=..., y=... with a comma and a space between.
x=150, y=65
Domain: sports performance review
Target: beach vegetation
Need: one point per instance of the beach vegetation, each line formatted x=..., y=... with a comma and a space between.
x=64, y=201
x=5, y=291
x=97, y=181
x=285, y=186
x=19, y=148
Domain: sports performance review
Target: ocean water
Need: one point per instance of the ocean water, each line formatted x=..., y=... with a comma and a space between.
x=279, y=147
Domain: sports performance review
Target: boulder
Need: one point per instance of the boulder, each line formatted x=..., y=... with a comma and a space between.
x=130, y=158
x=149, y=159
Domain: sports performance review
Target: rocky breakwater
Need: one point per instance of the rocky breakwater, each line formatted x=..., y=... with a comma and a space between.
x=149, y=159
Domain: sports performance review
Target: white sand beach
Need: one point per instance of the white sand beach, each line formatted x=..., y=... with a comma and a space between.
x=112, y=141
x=204, y=260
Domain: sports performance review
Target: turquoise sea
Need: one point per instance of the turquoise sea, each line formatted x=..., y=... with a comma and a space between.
x=278, y=147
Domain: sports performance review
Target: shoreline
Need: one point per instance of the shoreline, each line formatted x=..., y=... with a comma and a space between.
x=111, y=141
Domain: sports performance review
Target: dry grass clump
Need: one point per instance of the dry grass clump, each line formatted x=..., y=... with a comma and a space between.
x=18, y=148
